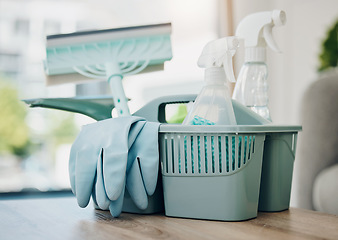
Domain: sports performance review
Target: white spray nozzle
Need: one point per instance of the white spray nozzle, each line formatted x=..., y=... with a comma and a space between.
x=278, y=17
x=219, y=53
x=256, y=29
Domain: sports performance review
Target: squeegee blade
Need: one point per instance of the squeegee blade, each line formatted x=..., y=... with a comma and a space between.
x=107, y=34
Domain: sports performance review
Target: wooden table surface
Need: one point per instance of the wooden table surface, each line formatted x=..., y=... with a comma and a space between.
x=61, y=218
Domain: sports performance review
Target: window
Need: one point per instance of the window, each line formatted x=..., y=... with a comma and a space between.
x=38, y=157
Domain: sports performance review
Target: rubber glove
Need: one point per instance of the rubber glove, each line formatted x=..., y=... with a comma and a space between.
x=145, y=152
x=109, y=167
x=107, y=139
x=142, y=169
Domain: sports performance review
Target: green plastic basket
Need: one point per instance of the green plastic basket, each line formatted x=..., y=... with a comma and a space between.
x=278, y=159
x=211, y=172
x=278, y=155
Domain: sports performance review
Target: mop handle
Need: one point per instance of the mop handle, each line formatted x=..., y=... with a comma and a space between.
x=115, y=82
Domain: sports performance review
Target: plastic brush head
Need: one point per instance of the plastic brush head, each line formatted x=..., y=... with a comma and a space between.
x=132, y=50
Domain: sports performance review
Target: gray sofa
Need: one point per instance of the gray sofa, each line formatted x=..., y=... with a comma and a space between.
x=316, y=166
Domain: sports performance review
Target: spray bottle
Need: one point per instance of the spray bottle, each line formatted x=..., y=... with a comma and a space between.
x=213, y=104
x=252, y=88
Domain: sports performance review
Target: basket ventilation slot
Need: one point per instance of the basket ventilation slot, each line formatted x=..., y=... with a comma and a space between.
x=209, y=154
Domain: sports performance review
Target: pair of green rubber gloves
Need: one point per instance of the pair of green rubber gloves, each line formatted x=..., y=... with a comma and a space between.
x=111, y=155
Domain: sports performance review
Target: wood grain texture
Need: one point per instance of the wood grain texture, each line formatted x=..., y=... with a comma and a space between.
x=61, y=218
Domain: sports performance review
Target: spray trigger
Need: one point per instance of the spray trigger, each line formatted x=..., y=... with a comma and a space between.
x=228, y=69
x=278, y=19
x=267, y=33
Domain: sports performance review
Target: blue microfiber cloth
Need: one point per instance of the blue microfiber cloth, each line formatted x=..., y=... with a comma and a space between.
x=230, y=163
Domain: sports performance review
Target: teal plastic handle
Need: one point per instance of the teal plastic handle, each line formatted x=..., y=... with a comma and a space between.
x=98, y=108
x=154, y=111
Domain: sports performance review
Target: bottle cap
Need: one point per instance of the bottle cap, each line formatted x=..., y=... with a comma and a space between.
x=255, y=54
x=215, y=75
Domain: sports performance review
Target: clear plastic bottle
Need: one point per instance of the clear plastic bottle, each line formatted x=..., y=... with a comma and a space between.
x=213, y=104
x=252, y=88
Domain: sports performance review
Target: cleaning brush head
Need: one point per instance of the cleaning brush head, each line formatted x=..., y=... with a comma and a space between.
x=131, y=49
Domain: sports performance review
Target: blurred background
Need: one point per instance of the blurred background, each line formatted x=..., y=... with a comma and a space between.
x=35, y=143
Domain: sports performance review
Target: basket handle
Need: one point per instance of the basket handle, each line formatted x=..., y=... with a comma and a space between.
x=154, y=111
